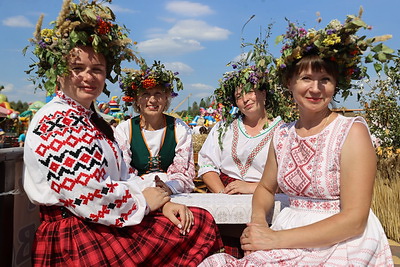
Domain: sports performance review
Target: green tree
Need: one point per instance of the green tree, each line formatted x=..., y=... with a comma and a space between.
x=195, y=109
x=203, y=103
x=19, y=106
x=382, y=108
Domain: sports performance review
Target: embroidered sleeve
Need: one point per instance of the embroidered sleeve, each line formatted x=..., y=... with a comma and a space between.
x=210, y=154
x=69, y=163
x=123, y=137
x=182, y=171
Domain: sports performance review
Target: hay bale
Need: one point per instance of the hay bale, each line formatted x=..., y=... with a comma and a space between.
x=386, y=198
x=198, y=140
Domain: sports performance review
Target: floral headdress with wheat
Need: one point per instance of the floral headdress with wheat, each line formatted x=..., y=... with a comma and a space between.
x=339, y=43
x=86, y=23
x=248, y=77
x=134, y=81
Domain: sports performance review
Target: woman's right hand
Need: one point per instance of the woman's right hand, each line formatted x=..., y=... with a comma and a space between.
x=155, y=197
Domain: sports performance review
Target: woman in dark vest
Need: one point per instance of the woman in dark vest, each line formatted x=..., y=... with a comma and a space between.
x=158, y=146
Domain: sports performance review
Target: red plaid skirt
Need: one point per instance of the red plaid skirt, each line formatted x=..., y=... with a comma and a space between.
x=63, y=239
x=225, y=179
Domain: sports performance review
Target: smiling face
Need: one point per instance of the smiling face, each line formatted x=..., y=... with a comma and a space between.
x=251, y=102
x=312, y=90
x=152, y=102
x=86, y=79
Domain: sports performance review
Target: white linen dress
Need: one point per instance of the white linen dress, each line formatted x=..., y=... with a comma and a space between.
x=309, y=173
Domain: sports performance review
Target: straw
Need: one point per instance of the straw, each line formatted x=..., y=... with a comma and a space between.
x=386, y=198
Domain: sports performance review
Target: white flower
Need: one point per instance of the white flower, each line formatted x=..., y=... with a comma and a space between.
x=335, y=24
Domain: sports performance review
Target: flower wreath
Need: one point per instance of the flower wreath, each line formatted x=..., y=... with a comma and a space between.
x=147, y=77
x=86, y=23
x=249, y=77
x=337, y=42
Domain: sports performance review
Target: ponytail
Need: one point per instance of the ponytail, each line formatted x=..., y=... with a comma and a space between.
x=101, y=124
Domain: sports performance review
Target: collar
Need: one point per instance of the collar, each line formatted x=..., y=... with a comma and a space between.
x=63, y=97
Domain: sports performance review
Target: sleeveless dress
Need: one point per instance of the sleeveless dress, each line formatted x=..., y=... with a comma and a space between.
x=309, y=173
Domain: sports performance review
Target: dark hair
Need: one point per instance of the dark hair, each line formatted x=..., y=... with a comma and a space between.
x=268, y=98
x=101, y=124
x=316, y=63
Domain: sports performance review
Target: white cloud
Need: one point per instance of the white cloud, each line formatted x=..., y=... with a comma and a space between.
x=24, y=93
x=119, y=9
x=190, y=9
x=201, y=90
x=180, y=67
x=198, y=30
x=154, y=33
x=7, y=88
x=169, y=45
x=17, y=21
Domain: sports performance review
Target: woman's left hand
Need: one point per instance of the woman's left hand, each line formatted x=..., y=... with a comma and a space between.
x=258, y=237
x=184, y=222
x=240, y=187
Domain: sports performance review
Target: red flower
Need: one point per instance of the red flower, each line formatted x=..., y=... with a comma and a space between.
x=149, y=83
x=127, y=98
x=350, y=71
x=354, y=52
x=103, y=27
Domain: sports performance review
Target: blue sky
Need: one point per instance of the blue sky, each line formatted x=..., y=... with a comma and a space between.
x=195, y=38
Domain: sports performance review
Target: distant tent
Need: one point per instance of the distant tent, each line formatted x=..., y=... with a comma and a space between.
x=35, y=106
x=26, y=113
x=3, y=112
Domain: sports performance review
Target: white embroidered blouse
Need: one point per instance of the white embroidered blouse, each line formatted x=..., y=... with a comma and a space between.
x=243, y=156
x=68, y=162
x=180, y=174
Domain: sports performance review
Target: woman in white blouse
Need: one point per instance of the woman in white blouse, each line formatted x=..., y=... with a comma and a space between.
x=92, y=211
x=158, y=146
x=233, y=157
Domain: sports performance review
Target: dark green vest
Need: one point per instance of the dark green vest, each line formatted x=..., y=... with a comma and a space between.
x=141, y=159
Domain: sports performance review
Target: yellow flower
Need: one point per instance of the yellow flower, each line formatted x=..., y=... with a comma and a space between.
x=47, y=40
x=279, y=61
x=47, y=32
x=331, y=39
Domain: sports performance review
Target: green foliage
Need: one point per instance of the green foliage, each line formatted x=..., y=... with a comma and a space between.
x=19, y=106
x=339, y=43
x=382, y=108
x=85, y=23
x=134, y=81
